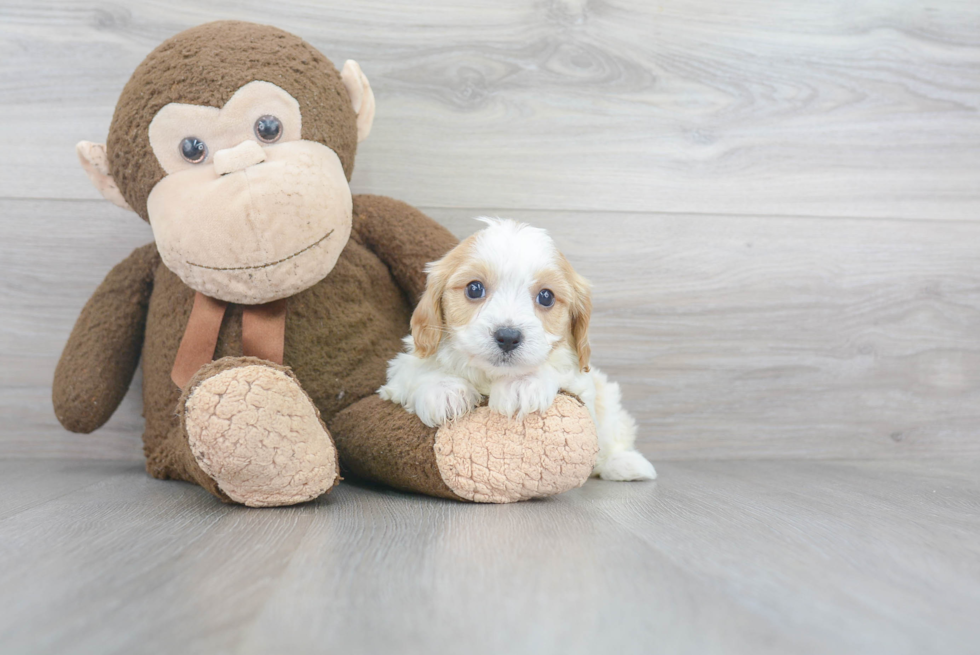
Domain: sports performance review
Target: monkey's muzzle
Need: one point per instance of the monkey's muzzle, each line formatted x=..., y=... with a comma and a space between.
x=245, y=154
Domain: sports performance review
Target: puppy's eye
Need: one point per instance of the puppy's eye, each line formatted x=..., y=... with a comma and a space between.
x=193, y=150
x=475, y=290
x=268, y=129
x=546, y=298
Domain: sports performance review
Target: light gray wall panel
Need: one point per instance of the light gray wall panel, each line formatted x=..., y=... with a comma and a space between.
x=804, y=108
x=731, y=337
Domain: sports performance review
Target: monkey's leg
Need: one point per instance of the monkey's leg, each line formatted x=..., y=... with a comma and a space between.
x=254, y=435
x=482, y=457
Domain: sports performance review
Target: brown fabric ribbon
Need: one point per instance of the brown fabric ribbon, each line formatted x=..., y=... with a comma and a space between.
x=263, y=335
x=264, y=330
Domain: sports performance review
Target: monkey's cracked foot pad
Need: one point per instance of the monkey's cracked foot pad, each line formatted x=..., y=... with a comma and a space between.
x=488, y=458
x=256, y=433
x=481, y=457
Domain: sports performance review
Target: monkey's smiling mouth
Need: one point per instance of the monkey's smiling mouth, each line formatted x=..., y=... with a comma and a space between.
x=251, y=268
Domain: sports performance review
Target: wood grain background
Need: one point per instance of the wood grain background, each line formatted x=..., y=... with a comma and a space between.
x=778, y=203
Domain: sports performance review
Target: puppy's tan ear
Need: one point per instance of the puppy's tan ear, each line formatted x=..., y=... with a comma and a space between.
x=581, y=313
x=427, y=318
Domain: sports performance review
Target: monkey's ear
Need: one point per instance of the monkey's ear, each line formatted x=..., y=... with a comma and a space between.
x=361, y=97
x=96, y=165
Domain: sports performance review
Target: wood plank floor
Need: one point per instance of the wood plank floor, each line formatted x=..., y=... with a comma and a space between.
x=714, y=557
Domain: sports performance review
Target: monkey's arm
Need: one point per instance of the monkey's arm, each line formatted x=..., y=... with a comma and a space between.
x=103, y=350
x=403, y=238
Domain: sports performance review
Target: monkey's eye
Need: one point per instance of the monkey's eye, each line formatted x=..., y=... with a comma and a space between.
x=193, y=150
x=546, y=298
x=268, y=129
x=475, y=290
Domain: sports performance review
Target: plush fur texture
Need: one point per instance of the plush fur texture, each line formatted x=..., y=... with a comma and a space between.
x=206, y=65
x=381, y=442
x=339, y=333
x=256, y=433
x=248, y=430
x=454, y=356
x=100, y=359
x=482, y=458
x=288, y=219
x=506, y=461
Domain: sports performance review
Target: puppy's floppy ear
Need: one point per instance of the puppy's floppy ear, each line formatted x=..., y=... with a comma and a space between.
x=427, y=318
x=580, y=307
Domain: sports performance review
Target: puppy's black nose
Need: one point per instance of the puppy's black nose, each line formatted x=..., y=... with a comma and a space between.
x=508, y=338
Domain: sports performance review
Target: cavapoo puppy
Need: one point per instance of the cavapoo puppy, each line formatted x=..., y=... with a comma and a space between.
x=505, y=316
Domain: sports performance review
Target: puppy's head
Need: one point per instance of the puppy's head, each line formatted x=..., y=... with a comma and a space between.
x=504, y=298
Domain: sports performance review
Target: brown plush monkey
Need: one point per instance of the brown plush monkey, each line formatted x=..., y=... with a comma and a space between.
x=271, y=300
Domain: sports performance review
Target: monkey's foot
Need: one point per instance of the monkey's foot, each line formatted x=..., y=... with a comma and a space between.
x=482, y=457
x=256, y=433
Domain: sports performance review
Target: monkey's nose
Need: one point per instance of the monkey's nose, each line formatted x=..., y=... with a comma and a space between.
x=245, y=154
x=508, y=338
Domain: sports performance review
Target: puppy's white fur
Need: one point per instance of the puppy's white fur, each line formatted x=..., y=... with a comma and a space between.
x=443, y=384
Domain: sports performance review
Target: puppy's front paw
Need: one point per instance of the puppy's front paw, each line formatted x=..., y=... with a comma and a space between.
x=445, y=400
x=522, y=396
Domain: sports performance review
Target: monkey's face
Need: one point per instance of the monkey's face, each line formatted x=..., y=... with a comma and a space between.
x=243, y=180
x=248, y=212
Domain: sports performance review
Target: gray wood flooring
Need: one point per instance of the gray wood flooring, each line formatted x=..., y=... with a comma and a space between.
x=714, y=557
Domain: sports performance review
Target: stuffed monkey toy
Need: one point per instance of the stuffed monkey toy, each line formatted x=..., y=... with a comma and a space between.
x=271, y=300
